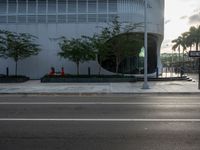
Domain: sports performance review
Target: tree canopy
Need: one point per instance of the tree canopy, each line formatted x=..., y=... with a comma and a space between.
x=114, y=40
x=77, y=50
x=188, y=39
x=194, y=36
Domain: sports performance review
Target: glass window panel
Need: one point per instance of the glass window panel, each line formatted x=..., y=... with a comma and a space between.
x=72, y=6
x=21, y=19
x=11, y=19
x=22, y=6
x=12, y=6
x=92, y=17
x=51, y=18
x=82, y=18
x=61, y=18
x=102, y=7
x=31, y=6
x=82, y=6
x=71, y=18
x=42, y=6
x=2, y=19
x=32, y=19
x=92, y=6
x=62, y=6
x=3, y=6
x=112, y=6
x=41, y=19
x=52, y=6
x=111, y=17
x=102, y=18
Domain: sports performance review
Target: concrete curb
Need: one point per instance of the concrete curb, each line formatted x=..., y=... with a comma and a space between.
x=99, y=94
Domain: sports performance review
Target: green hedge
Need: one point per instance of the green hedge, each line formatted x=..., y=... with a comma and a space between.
x=13, y=79
x=86, y=78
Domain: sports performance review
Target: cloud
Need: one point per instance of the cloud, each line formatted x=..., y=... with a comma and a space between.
x=195, y=18
x=166, y=46
x=167, y=43
x=183, y=17
x=167, y=21
x=196, y=10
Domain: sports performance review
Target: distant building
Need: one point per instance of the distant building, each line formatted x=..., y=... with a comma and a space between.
x=51, y=19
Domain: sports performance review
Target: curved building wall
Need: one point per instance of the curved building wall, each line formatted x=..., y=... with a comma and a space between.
x=51, y=19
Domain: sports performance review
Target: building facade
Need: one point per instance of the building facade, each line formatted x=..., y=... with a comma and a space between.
x=51, y=19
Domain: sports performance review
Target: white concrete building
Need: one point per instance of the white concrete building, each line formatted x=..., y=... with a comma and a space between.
x=51, y=19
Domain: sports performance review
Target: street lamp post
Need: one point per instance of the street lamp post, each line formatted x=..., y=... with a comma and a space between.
x=145, y=85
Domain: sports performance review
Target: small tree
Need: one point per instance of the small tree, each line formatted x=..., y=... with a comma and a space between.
x=18, y=46
x=119, y=43
x=100, y=46
x=77, y=50
x=109, y=43
x=123, y=46
x=2, y=43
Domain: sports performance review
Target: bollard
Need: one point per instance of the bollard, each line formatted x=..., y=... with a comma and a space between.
x=7, y=71
x=89, y=71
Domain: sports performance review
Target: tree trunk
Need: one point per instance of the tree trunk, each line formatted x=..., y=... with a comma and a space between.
x=197, y=46
x=77, y=64
x=179, y=56
x=16, y=65
x=183, y=59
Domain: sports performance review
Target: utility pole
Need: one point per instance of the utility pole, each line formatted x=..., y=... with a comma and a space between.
x=145, y=85
x=199, y=74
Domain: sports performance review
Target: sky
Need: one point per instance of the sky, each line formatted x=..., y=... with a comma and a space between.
x=180, y=15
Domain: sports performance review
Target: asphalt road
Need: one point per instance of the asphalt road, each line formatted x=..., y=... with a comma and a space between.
x=118, y=122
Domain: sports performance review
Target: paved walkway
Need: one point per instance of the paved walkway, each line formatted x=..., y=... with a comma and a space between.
x=35, y=87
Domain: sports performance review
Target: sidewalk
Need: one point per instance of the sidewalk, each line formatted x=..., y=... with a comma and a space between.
x=164, y=87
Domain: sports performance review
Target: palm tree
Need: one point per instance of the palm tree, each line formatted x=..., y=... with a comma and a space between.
x=178, y=43
x=194, y=36
x=188, y=40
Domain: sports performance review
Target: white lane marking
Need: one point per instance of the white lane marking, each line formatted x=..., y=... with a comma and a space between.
x=99, y=120
x=94, y=103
